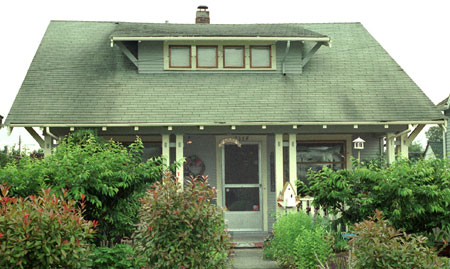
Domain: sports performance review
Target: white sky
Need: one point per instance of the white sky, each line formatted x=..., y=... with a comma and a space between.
x=415, y=33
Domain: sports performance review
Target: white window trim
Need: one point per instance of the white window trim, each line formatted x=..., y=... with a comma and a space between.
x=219, y=45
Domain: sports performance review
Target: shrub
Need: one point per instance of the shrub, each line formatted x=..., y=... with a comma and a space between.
x=298, y=239
x=112, y=176
x=120, y=256
x=379, y=245
x=182, y=227
x=43, y=232
x=413, y=195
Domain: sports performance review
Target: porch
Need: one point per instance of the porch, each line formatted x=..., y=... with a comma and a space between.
x=249, y=165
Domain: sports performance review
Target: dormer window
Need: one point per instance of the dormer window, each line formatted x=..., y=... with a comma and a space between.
x=260, y=57
x=233, y=56
x=230, y=56
x=207, y=57
x=180, y=56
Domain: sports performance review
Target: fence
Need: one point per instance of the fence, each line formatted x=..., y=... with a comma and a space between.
x=307, y=207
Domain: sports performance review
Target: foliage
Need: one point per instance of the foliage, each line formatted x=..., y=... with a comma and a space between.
x=120, y=256
x=378, y=245
x=182, y=228
x=312, y=246
x=415, y=150
x=413, y=195
x=43, y=232
x=298, y=239
x=434, y=134
x=112, y=177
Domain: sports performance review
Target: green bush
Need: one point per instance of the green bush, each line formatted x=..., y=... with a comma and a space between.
x=299, y=241
x=379, y=245
x=112, y=176
x=43, y=232
x=121, y=256
x=182, y=228
x=413, y=195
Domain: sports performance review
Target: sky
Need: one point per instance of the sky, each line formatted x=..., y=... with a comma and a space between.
x=415, y=33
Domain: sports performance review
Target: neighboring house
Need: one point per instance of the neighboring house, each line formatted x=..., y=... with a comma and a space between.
x=444, y=106
x=434, y=150
x=250, y=105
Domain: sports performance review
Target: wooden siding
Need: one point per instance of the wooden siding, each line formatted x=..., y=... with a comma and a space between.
x=371, y=149
x=151, y=59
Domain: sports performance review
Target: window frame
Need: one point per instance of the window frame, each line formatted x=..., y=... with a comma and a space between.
x=270, y=56
x=217, y=56
x=224, y=56
x=190, y=56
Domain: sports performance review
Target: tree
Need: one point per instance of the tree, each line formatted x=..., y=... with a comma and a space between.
x=415, y=150
x=434, y=134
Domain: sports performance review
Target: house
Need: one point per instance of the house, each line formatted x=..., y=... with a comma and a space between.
x=433, y=150
x=249, y=105
x=444, y=106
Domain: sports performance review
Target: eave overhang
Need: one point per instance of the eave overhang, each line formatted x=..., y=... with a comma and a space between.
x=326, y=40
x=158, y=124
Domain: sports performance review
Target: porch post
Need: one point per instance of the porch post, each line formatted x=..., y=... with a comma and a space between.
x=278, y=168
x=390, y=148
x=404, y=146
x=293, y=161
x=166, y=149
x=179, y=157
x=48, y=145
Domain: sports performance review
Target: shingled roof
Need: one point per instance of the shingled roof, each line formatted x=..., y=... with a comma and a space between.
x=209, y=30
x=77, y=78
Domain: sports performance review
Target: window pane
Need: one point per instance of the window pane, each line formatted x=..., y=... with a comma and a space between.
x=180, y=56
x=320, y=152
x=260, y=56
x=234, y=56
x=242, y=199
x=207, y=56
x=241, y=164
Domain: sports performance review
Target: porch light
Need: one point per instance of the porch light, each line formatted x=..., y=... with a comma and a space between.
x=189, y=141
x=358, y=143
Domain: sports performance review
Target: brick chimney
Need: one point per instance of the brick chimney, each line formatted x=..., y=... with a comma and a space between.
x=202, y=16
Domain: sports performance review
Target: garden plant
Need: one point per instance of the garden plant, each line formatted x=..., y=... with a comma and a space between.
x=182, y=228
x=44, y=231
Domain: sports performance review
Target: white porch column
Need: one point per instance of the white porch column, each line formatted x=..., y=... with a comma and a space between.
x=166, y=148
x=404, y=146
x=179, y=156
x=293, y=161
x=48, y=145
x=278, y=167
x=390, y=148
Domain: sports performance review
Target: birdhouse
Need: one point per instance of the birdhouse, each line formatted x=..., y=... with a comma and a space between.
x=287, y=197
x=358, y=143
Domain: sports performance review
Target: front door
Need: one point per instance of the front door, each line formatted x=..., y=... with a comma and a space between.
x=242, y=187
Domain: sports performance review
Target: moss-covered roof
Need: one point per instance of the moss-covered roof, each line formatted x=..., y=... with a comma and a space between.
x=77, y=78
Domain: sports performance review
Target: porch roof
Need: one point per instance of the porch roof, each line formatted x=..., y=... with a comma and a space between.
x=77, y=78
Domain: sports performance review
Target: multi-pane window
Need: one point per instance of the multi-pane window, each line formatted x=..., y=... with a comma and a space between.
x=180, y=56
x=315, y=155
x=207, y=56
x=260, y=57
x=233, y=56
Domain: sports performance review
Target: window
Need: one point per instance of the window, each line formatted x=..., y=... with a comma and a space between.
x=260, y=57
x=207, y=56
x=180, y=56
x=315, y=155
x=233, y=56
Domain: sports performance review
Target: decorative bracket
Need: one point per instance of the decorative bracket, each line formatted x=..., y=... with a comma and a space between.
x=127, y=53
x=36, y=136
x=307, y=56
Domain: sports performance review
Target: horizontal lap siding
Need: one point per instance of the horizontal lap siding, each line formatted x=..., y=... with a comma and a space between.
x=293, y=64
x=371, y=149
x=151, y=57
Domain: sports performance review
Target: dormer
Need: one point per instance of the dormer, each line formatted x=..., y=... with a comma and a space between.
x=217, y=48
